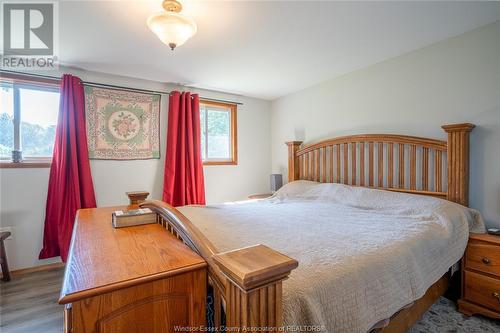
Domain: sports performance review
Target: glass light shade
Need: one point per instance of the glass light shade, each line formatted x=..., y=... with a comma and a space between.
x=172, y=28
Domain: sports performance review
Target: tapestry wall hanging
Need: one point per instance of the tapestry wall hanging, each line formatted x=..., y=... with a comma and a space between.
x=121, y=124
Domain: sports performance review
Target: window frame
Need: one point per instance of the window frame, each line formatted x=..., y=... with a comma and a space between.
x=233, y=130
x=19, y=81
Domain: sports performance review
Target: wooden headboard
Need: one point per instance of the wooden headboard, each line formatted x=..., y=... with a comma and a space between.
x=387, y=161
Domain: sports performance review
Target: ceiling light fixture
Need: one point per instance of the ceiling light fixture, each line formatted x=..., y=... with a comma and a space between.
x=171, y=27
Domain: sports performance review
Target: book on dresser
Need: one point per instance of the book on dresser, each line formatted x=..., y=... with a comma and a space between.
x=132, y=217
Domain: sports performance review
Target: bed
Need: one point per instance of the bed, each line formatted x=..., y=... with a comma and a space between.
x=374, y=223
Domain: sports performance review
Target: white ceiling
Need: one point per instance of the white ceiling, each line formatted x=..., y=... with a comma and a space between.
x=263, y=49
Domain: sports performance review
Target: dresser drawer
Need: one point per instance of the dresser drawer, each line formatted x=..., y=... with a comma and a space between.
x=484, y=258
x=481, y=289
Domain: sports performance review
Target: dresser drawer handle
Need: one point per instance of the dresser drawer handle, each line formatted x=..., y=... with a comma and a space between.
x=486, y=261
x=496, y=295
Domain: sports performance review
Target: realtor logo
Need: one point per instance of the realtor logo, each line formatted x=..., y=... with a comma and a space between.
x=29, y=32
x=28, y=29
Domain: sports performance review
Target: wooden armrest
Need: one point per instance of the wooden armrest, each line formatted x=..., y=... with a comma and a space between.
x=254, y=266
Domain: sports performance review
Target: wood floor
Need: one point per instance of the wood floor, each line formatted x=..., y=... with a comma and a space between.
x=28, y=303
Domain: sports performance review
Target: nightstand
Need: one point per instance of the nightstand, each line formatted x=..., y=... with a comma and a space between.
x=260, y=196
x=481, y=276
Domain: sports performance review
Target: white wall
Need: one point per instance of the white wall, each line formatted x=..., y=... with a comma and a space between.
x=24, y=191
x=453, y=81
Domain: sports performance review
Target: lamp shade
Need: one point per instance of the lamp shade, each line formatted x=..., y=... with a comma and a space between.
x=172, y=28
x=276, y=181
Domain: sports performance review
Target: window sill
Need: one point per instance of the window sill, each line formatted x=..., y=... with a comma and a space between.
x=220, y=163
x=39, y=163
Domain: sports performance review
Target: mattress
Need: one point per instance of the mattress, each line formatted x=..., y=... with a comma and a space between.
x=363, y=253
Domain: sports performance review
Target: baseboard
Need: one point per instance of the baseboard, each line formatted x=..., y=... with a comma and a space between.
x=34, y=269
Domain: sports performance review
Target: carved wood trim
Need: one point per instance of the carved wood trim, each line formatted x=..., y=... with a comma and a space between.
x=380, y=158
x=353, y=163
x=254, y=291
x=390, y=164
x=258, y=308
x=415, y=173
x=293, y=161
x=401, y=166
x=405, y=139
x=362, y=164
x=458, y=162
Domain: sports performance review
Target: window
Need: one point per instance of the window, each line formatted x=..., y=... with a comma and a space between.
x=28, y=119
x=218, y=133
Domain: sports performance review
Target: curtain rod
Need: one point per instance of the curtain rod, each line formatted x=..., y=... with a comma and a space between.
x=96, y=84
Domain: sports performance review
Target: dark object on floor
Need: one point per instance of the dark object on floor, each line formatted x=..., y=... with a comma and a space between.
x=211, y=312
x=455, y=287
x=3, y=256
x=443, y=317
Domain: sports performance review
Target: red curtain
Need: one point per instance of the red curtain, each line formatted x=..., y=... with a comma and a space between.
x=70, y=181
x=183, y=183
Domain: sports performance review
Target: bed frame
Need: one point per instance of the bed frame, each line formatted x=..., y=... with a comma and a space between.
x=247, y=283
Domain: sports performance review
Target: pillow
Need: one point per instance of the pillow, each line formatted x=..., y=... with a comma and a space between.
x=380, y=201
x=295, y=189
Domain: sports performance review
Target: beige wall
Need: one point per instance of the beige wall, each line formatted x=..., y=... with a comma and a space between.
x=23, y=191
x=453, y=81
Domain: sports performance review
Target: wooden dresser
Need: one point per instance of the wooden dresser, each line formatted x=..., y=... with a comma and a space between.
x=135, y=279
x=481, y=276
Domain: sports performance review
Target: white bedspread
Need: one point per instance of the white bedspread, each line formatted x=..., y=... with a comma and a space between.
x=363, y=254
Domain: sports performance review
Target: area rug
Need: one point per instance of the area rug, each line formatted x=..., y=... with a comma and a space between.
x=443, y=317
